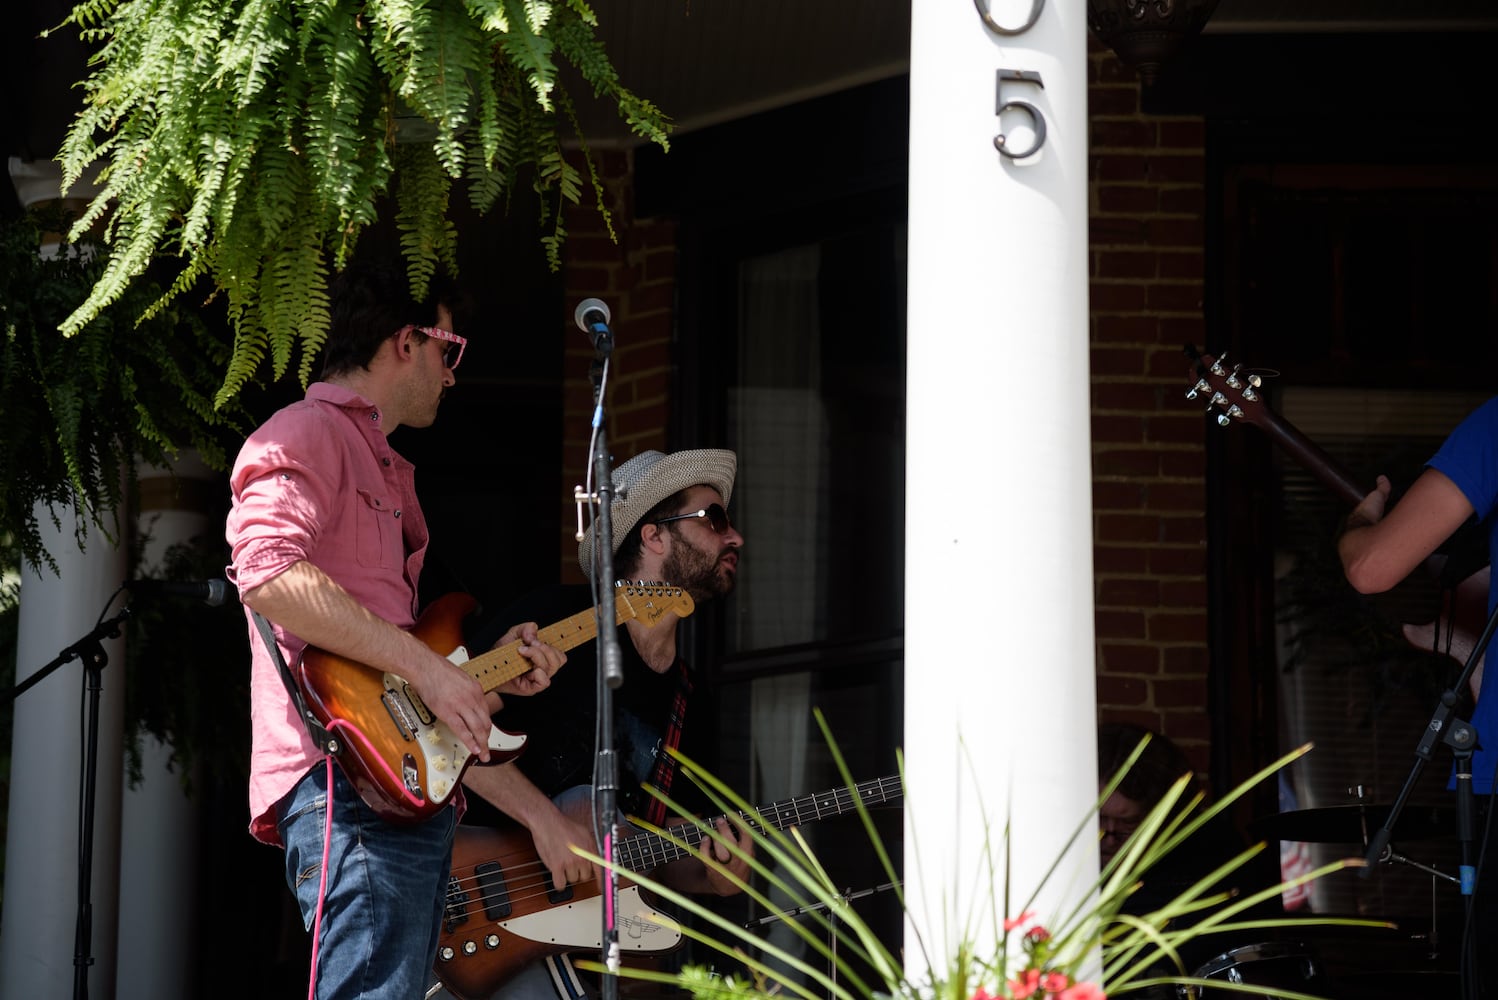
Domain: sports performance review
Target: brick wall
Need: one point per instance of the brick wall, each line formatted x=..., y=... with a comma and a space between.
x=636, y=277
x=1147, y=205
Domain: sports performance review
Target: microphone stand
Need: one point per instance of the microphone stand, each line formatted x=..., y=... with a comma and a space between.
x=90, y=649
x=1462, y=737
x=610, y=663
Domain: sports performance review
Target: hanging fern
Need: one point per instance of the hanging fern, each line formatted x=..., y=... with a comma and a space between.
x=252, y=139
x=79, y=411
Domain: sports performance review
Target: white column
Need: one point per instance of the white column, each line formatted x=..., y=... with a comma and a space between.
x=159, y=824
x=999, y=672
x=37, y=929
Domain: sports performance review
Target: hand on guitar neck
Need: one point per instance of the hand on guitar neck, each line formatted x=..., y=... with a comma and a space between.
x=1387, y=538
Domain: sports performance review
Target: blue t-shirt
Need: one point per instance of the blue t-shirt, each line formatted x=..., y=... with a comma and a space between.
x=1469, y=458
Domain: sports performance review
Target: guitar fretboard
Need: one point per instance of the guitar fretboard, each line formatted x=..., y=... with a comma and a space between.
x=645, y=851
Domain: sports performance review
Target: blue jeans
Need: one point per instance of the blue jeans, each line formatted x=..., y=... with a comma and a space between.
x=385, y=891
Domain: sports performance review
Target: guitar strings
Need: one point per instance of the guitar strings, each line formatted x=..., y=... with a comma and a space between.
x=529, y=880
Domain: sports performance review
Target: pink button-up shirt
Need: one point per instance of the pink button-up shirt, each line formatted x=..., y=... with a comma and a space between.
x=319, y=482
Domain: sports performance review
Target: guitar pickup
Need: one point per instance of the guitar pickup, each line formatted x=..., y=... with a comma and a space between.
x=493, y=890
x=422, y=712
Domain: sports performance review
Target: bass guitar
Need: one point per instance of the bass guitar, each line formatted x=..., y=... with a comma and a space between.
x=1235, y=393
x=503, y=914
x=405, y=762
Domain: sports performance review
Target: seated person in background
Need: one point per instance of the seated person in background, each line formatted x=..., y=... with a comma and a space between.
x=1158, y=768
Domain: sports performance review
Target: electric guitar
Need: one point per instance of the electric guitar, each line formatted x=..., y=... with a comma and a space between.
x=1234, y=392
x=405, y=762
x=503, y=914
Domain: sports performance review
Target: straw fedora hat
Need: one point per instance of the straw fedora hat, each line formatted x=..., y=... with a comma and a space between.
x=650, y=477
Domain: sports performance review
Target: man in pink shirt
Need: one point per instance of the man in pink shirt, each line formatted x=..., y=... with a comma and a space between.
x=327, y=542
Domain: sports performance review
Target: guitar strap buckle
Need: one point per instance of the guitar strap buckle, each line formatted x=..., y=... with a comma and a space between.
x=326, y=741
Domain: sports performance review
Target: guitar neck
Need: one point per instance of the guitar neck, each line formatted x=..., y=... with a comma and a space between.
x=1303, y=450
x=504, y=663
x=645, y=851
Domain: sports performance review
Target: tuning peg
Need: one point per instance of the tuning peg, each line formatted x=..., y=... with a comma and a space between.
x=1200, y=387
x=1255, y=381
x=1217, y=366
x=1223, y=420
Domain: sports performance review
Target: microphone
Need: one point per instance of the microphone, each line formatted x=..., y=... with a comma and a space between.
x=592, y=317
x=211, y=592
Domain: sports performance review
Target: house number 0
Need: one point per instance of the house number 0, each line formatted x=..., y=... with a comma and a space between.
x=1037, y=119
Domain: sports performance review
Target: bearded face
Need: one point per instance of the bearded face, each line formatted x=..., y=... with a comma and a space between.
x=700, y=562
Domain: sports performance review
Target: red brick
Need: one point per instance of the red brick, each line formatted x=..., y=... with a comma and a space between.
x=1178, y=561
x=1130, y=658
x=1183, y=530
x=1170, y=626
x=1117, y=231
x=1104, y=101
x=1183, y=593
x=1118, y=496
x=1187, y=168
x=1176, y=496
x=1119, y=624
x=1182, y=297
x=1182, y=133
x=1176, y=232
x=1128, y=198
x=1127, y=528
x=1117, y=429
x=1119, y=559
x=1179, y=694
x=1114, y=133
x=1125, y=462
x=1123, y=593
x=1116, y=690
x=1133, y=396
x=1189, y=200
x=1108, y=362
x=1187, y=660
x=1182, y=464
x=1135, y=329
x=1124, y=264
x=1180, y=427
x=1121, y=167
x=1117, y=298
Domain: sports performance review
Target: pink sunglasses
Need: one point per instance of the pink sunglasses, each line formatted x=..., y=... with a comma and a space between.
x=454, y=352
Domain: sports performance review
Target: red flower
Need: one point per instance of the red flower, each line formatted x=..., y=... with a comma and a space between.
x=1025, y=986
x=1037, y=934
x=1023, y=918
x=983, y=994
x=1054, y=982
x=1082, y=991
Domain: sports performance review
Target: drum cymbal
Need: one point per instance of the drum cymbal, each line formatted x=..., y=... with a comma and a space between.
x=1353, y=823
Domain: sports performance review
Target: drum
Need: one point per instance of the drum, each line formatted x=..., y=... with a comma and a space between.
x=1277, y=964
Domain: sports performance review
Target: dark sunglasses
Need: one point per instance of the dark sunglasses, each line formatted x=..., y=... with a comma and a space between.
x=717, y=518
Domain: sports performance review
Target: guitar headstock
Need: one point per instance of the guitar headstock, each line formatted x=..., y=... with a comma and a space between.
x=1232, y=392
x=650, y=601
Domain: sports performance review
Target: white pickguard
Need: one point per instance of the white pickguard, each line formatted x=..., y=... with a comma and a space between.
x=578, y=925
x=444, y=754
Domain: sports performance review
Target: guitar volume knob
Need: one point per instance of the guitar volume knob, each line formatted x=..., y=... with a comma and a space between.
x=470, y=948
x=446, y=953
x=491, y=941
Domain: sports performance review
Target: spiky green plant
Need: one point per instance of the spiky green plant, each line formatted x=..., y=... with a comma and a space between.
x=1098, y=932
x=252, y=141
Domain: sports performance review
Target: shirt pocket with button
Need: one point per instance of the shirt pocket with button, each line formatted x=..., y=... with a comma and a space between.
x=378, y=531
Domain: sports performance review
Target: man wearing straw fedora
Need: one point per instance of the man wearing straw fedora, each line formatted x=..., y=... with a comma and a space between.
x=670, y=524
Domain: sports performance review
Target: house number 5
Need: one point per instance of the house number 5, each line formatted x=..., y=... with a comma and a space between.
x=1037, y=120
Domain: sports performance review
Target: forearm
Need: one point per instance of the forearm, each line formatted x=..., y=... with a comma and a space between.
x=506, y=787
x=308, y=603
